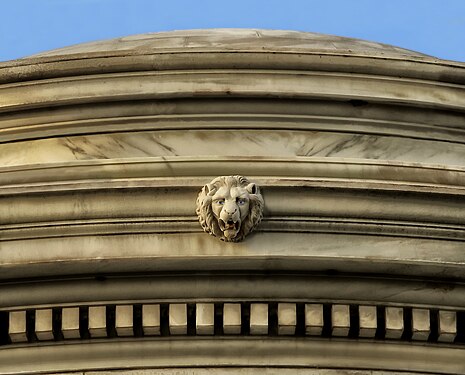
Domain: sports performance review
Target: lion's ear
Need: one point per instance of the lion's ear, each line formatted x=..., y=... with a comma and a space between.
x=252, y=188
x=209, y=189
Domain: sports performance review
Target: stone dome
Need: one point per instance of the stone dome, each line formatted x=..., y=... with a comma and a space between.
x=251, y=40
x=108, y=152
x=232, y=49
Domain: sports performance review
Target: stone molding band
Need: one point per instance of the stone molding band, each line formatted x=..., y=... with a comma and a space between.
x=181, y=167
x=234, y=352
x=320, y=183
x=203, y=282
x=180, y=224
x=37, y=68
x=220, y=113
x=235, y=83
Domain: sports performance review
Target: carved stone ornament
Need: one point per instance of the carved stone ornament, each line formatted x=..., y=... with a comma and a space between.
x=230, y=207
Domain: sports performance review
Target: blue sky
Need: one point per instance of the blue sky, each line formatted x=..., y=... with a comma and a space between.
x=430, y=26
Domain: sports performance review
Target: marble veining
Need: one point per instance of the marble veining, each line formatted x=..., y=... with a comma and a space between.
x=263, y=143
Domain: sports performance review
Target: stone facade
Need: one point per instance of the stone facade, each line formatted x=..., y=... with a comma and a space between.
x=356, y=267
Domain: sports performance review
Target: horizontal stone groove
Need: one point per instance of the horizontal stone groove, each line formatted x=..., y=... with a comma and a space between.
x=235, y=277
x=190, y=225
x=252, y=352
x=239, y=83
x=159, y=170
x=23, y=129
x=308, y=199
x=143, y=183
x=243, y=318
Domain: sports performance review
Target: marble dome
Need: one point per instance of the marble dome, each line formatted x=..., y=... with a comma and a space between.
x=357, y=149
x=252, y=40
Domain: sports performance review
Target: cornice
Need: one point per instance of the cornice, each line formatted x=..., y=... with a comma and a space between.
x=168, y=170
x=230, y=83
x=34, y=68
x=210, y=114
x=275, y=353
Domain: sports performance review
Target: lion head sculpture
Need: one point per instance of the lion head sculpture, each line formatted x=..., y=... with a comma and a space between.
x=230, y=207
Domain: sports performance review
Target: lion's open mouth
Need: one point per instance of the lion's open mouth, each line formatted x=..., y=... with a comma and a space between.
x=230, y=225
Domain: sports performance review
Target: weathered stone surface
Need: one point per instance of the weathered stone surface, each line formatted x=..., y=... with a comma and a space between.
x=70, y=323
x=258, y=319
x=287, y=318
x=178, y=318
x=44, y=324
x=447, y=326
x=421, y=328
x=367, y=321
x=151, y=319
x=340, y=320
x=97, y=321
x=124, y=323
x=394, y=322
x=205, y=318
x=232, y=319
x=314, y=319
x=234, y=39
x=17, y=326
x=358, y=149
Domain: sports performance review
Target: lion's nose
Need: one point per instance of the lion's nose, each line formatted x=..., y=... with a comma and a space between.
x=229, y=212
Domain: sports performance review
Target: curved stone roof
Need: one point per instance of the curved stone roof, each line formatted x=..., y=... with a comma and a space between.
x=358, y=150
x=235, y=40
x=232, y=49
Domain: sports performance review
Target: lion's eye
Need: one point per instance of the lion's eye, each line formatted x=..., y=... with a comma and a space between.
x=220, y=201
x=241, y=201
